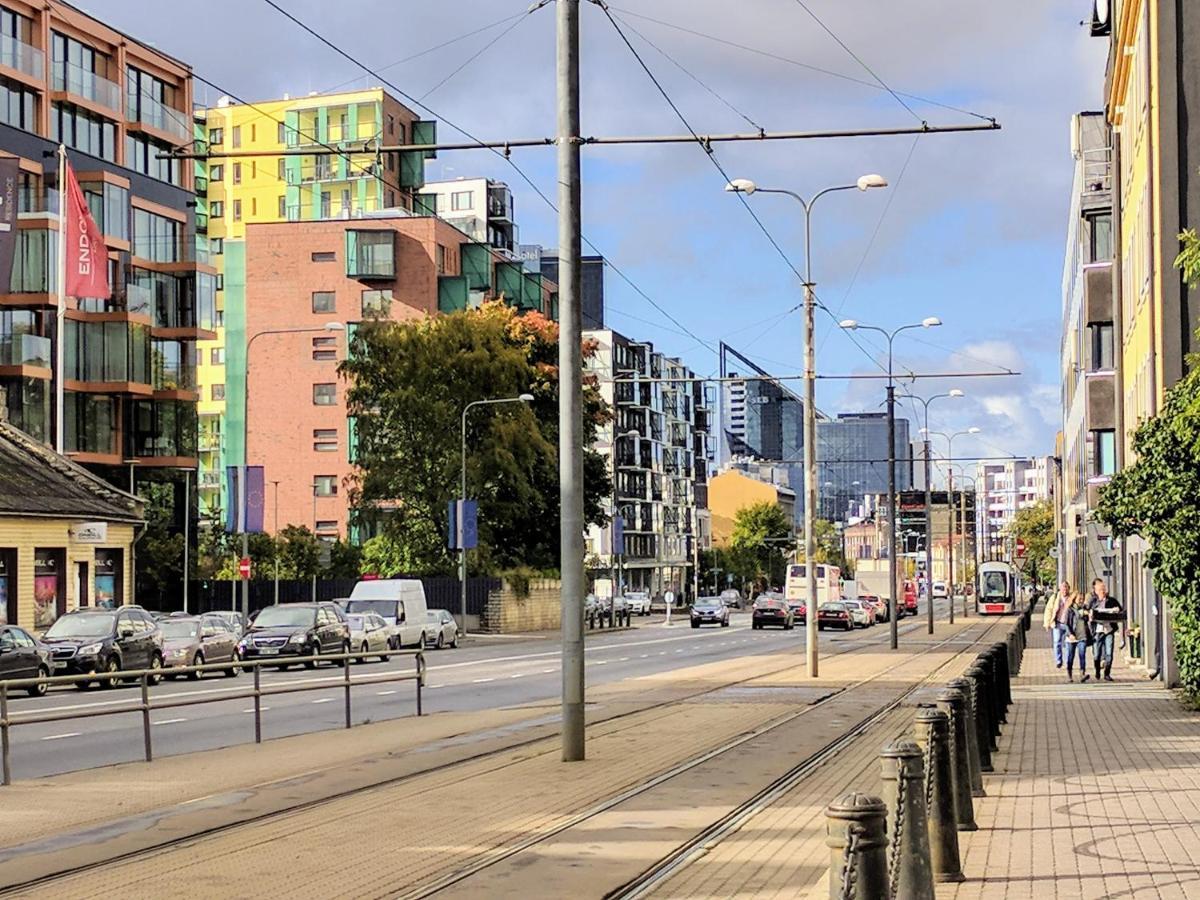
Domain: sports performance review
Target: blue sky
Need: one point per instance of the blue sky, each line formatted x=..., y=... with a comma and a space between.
x=974, y=231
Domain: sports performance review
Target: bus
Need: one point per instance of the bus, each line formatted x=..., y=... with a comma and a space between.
x=997, y=590
x=829, y=584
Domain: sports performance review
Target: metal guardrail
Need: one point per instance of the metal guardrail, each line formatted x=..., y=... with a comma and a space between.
x=145, y=705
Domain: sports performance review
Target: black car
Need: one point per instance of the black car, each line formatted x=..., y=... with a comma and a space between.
x=771, y=610
x=299, y=631
x=96, y=641
x=23, y=656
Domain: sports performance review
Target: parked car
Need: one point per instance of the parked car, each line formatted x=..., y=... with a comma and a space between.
x=771, y=610
x=297, y=631
x=401, y=602
x=834, y=615
x=235, y=620
x=639, y=603
x=878, y=606
x=445, y=629
x=369, y=635
x=593, y=611
x=731, y=598
x=617, y=611
x=24, y=656
x=939, y=590
x=910, y=604
x=860, y=613
x=95, y=641
x=709, y=611
x=799, y=610
x=196, y=640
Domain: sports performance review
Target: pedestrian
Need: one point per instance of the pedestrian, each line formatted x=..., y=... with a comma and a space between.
x=1054, y=620
x=1078, y=634
x=1105, y=613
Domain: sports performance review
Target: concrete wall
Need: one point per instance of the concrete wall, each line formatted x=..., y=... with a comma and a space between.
x=539, y=610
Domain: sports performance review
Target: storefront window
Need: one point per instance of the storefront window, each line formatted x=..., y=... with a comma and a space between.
x=110, y=567
x=49, y=586
x=8, y=586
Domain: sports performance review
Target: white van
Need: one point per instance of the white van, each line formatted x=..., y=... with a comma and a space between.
x=401, y=602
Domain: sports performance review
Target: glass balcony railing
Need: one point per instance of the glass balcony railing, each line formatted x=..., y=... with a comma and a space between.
x=156, y=114
x=16, y=54
x=74, y=79
x=24, y=350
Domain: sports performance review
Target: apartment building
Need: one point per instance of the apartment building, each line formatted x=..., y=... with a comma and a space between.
x=1003, y=488
x=480, y=208
x=312, y=274
x=271, y=163
x=659, y=449
x=129, y=362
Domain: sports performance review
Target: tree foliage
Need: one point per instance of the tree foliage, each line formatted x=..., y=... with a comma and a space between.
x=762, y=537
x=409, y=384
x=1156, y=497
x=1035, y=526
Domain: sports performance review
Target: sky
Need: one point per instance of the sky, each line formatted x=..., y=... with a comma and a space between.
x=971, y=228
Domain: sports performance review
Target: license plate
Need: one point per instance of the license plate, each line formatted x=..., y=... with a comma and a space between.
x=268, y=651
x=59, y=665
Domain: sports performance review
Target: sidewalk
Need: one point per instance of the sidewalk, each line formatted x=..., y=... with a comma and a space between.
x=1096, y=792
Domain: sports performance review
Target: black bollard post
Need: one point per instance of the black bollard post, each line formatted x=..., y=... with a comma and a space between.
x=986, y=662
x=910, y=872
x=951, y=702
x=1000, y=657
x=966, y=687
x=857, y=839
x=932, y=726
x=983, y=727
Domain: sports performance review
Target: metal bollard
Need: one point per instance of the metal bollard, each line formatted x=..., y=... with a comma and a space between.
x=1005, y=679
x=983, y=727
x=951, y=703
x=966, y=687
x=857, y=840
x=5, y=770
x=987, y=659
x=932, y=726
x=146, y=743
x=910, y=873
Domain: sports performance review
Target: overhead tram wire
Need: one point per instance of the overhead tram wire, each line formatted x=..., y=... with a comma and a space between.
x=503, y=155
x=478, y=53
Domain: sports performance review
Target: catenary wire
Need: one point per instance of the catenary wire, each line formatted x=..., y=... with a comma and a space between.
x=478, y=53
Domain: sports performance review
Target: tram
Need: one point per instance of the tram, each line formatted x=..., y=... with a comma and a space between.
x=996, y=591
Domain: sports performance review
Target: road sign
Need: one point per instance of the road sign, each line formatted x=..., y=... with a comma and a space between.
x=244, y=567
x=1020, y=548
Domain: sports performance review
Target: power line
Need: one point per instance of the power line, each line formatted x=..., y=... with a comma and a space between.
x=478, y=53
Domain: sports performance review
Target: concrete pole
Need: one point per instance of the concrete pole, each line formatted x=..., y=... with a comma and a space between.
x=570, y=384
x=928, y=530
x=276, y=522
x=187, y=515
x=962, y=547
x=811, y=660
x=893, y=605
x=462, y=551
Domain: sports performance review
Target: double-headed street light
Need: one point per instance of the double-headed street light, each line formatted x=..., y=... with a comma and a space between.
x=853, y=325
x=950, y=500
x=954, y=394
x=462, y=551
x=241, y=515
x=746, y=186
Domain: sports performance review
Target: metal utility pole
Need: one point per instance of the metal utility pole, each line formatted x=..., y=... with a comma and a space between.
x=950, y=538
x=275, y=522
x=570, y=381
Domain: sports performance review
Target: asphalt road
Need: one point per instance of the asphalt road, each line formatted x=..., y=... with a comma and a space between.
x=485, y=673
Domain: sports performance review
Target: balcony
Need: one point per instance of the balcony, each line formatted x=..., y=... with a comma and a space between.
x=26, y=58
x=74, y=79
x=209, y=442
x=371, y=254
x=153, y=113
x=24, y=350
x=210, y=481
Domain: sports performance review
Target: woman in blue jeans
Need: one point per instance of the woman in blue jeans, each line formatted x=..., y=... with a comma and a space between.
x=1079, y=635
x=1104, y=613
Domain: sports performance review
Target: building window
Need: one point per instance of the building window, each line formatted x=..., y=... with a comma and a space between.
x=1105, y=453
x=282, y=170
x=84, y=131
x=220, y=283
x=391, y=126
x=216, y=356
x=145, y=155
x=461, y=201
x=216, y=135
x=156, y=238
x=18, y=104
x=254, y=206
x=216, y=209
x=237, y=173
x=1100, y=237
x=281, y=134
x=441, y=259
x=325, y=440
x=324, y=301
x=282, y=206
x=325, y=485
x=216, y=173
x=371, y=254
x=325, y=394
x=375, y=303
x=326, y=528
x=218, y=392
x=237, y=136
x=324, y=348
x=237, y=210
x=253, y=132
x=216, y=246
x=324, y=256
x=1100, y=348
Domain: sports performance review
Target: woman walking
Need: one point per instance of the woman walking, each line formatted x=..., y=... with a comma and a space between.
x=1079, y=635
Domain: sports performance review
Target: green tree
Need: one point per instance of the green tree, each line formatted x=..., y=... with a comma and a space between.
x=409, y=383
x=160, y=550
x=762, y=537
x=1035, y=526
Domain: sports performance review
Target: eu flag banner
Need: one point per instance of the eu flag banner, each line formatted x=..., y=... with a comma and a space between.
x=464, y=524
x=618, y=536
x=255, y=500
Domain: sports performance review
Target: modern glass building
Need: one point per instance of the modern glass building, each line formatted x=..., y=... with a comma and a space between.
x=852, y=454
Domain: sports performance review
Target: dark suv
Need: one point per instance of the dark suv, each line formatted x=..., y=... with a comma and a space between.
x=301, y=631
x=96, y=641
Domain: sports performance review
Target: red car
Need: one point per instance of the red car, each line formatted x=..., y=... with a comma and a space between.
x=834, y=615
x=910, y=598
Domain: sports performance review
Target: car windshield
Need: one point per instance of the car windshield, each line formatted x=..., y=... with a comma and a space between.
x=385, y=608
x=358, y=623
x=834, y=607
x=175, y=630
x=995, y=584
x=286, y=616
x=708, y=603
x=81, y=626
x=765, y=602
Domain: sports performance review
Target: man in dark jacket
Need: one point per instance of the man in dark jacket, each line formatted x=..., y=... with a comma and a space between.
x=1106, y=613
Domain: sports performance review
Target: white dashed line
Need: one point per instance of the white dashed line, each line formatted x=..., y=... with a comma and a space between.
x=548, y=671
x=644, y=656
x=482, y=680
x=623, y=659
x=518, y=675
x=59, y=737
x=251, y=709
x=386, y=693
x=324, y=700
x=170, y=721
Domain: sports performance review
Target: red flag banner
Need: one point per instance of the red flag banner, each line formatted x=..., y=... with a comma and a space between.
x=87, y=259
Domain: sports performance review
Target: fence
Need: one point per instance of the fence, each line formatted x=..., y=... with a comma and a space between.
x=145, y=705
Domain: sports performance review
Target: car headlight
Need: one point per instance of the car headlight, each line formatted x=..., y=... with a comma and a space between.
x=298, y=638
x=90, y=649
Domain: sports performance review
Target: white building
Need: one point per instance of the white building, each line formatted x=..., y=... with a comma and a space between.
x=1002, y=489
x=478, y=207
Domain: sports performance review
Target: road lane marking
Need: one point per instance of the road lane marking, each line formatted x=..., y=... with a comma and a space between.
x=324, y=700
x=251, y=709
x=482, y=680
x=644, y=656
x=518, y=675
x=170, y=721
x=59, y=737
x=548, y=671
x=623, y=659
x=386, y=693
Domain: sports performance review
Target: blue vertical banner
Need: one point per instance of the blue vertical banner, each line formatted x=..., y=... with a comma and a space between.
x=464, y=524
x=618, y=535
x=252, y=515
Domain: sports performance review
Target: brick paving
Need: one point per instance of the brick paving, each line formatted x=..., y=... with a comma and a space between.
x=1096, y=792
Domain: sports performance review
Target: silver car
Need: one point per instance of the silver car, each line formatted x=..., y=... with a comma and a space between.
x=860, y=615
x=444, y=631
x=196, y=640
x=370, y=635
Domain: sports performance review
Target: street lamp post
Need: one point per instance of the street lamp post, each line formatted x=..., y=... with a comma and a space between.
x=962, y=500
x=950, y=503
x=954, y=393
x=745, y=186
x=241, y=498
x=462, y=551
x=852, y=325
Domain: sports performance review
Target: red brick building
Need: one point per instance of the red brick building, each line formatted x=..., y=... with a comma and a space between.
x=309, y=274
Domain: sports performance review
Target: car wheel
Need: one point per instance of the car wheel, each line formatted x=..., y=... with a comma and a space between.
x=39, y=689
x=441, y=641
x=197, y=660
x=112, y=666
x=343, y=661
x=233, y=670
x=695, y=624
x=156, y=664
x=363, y=650
x=314, y=654
x=724, y=623
x=454, y=640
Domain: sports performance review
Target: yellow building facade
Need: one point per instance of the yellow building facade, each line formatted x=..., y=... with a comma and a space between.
x=732, y=491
